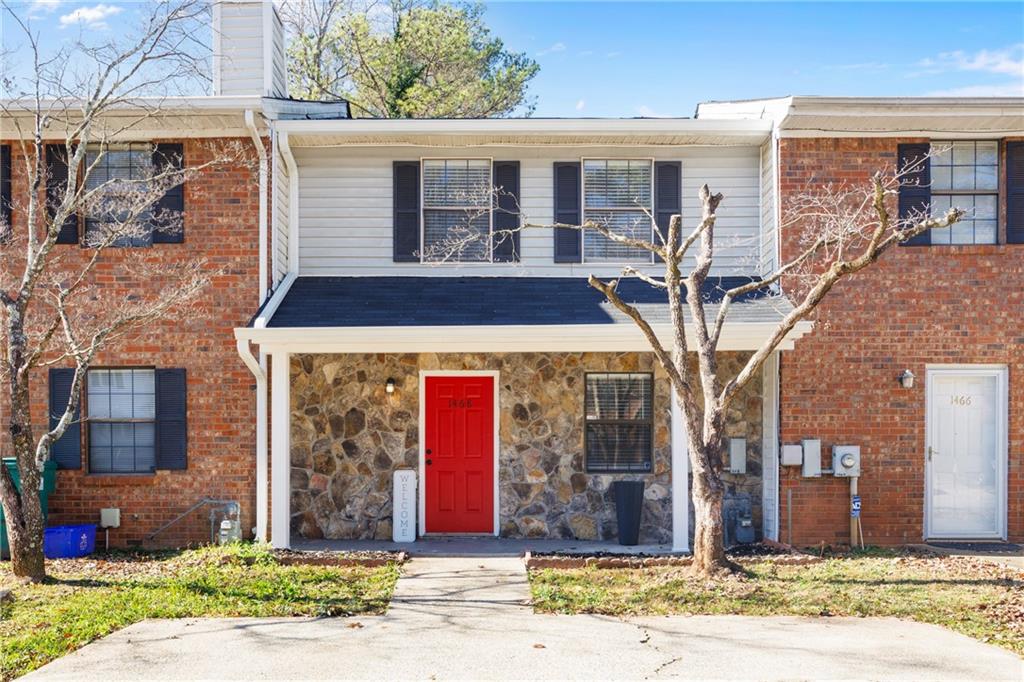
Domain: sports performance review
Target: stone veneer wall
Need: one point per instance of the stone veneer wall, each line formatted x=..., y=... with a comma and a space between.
x=349, y=435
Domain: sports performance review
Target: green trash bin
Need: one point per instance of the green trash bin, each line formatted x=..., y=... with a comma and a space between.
x=49, y=485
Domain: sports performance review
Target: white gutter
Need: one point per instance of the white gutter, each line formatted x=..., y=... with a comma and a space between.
x=293, y=201
x=250, y=123
x=498, y=126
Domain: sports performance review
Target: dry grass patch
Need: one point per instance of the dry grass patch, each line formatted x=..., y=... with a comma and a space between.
x=85, y=599
x=976, y=598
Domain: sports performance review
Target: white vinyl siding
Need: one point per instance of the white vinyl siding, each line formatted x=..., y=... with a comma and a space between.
x=768, y=237
x=281, y=208
x=278, y=69
x=345, y=197
x=240, y=62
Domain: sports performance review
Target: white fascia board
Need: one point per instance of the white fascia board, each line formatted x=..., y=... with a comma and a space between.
x=506, y=126
x=272, y=305
x=204, y=102
x=496, y=339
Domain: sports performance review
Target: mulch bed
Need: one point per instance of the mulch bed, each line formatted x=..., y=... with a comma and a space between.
x=773, y=552
x=367, y=559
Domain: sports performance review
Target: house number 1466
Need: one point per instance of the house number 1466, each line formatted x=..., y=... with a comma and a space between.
x=959, y=400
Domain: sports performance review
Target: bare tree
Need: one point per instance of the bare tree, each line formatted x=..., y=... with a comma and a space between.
x=841, y=231
x=54, y=308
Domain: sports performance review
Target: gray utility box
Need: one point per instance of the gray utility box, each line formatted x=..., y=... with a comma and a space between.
x=737, y=455
x=812, y=458
x=846, y=460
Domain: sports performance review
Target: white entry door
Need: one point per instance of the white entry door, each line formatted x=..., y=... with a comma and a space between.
x=966, y=453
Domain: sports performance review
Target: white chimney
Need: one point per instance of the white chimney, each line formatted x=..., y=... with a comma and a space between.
x=248, y=49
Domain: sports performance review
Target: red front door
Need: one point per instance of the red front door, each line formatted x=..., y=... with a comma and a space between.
x=459, y=454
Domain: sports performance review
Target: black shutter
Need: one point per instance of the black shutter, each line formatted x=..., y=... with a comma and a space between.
x=568, y=211
x=915, y=186
x=668, y=194
x=5, y=189
x=170, y=156
x=1015, y=192
x=506, y=215
x=67, y=451
x=406, y=227
x=56, y=185
x=171, y=409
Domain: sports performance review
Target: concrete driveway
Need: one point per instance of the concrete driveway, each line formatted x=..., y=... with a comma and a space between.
x=469, y=619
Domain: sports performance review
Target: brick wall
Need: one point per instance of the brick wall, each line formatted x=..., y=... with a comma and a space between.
x=918, y=305
x=221, y=218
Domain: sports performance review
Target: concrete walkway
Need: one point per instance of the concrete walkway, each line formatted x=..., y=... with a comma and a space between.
x=468, y=618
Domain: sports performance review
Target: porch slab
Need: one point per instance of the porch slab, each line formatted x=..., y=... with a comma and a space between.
x=482, y=547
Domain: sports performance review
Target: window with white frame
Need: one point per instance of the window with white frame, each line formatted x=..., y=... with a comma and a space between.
x=966, y=174
x=617, y=194
x=121, y=407
x=121, y=170
x=456, y=210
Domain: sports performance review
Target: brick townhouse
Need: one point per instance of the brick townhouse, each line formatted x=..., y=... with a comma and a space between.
x=942, y=458
x=333, y=352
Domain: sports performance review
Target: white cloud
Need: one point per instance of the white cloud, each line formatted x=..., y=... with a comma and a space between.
x=647, y=112
x=91, y=17
x=557, y=47
x=580, y=105
x=1008, y=60
x=992, y=90
x=587, y=53
x=42, y=7
x=613, y=55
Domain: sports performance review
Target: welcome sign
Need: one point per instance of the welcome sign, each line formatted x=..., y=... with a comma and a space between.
x=403, y=526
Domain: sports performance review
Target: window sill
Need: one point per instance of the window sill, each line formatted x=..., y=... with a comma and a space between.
x=118, y=480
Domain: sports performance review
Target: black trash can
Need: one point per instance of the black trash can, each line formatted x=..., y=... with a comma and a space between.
x=629, y=504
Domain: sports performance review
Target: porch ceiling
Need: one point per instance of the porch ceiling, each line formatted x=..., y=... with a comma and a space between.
x=493, y=314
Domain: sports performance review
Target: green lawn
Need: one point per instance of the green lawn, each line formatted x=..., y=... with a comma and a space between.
x=977, y=599
x=85, y=599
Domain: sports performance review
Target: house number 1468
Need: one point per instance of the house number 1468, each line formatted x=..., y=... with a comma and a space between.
x=959, y=400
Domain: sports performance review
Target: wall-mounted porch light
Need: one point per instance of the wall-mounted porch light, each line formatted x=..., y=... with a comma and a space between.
x=389, y=386
x=906, y=379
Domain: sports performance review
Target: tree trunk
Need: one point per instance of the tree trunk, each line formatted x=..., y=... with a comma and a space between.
x=23, y=511
x=709, y=559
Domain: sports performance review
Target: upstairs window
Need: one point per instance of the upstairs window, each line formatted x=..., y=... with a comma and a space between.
x=457, y=215
x=619, y=423
x=617, y=194
x=120, y=170
x=121, y=405
x=965, y=174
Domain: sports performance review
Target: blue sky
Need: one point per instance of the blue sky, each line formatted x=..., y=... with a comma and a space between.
x=660, y=59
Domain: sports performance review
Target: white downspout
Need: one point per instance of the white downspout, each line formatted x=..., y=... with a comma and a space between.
x=259, y=369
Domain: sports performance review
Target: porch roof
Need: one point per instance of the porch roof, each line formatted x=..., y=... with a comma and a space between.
x=494, y=301
x=490, y=314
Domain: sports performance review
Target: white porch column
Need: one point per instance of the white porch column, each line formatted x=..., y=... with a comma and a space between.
x=680, y=482
x=770, y=447
x=280, y=468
